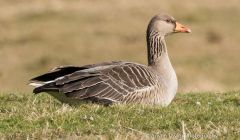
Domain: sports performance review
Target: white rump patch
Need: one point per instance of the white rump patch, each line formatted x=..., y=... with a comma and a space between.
x=36, y=84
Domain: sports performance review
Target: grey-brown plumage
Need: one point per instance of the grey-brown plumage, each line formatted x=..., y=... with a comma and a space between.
x=118, y=81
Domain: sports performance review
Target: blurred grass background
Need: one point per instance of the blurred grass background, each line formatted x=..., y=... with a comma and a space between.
x=36, y=36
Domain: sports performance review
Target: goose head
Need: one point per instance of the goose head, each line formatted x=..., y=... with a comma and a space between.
x=164, y=25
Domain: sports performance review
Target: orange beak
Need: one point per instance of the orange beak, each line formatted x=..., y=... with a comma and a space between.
x=181, y=29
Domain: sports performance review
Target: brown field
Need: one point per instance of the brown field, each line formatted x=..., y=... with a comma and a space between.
x=37, y=35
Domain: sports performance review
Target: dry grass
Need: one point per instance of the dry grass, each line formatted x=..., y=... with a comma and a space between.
x=36, y=36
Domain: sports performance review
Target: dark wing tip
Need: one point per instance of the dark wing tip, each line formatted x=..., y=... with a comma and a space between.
x=46, y=88
x=37, y=90
x=56, y=73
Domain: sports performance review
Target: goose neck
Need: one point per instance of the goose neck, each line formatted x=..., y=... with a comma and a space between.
x=157, y=49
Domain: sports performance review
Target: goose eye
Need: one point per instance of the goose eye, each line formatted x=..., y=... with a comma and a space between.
x=168, y=21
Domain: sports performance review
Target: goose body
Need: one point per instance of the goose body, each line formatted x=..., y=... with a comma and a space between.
x=118, y=81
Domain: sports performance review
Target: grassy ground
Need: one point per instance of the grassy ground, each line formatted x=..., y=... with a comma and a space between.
x=37, y=35
x=194, y=115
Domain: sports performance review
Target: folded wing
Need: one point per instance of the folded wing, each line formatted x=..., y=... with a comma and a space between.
x=113, y=81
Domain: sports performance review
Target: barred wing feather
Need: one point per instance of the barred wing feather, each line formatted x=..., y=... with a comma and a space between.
x=110, y=81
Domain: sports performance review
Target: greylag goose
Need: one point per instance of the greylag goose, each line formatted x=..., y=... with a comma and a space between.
x=118, y=81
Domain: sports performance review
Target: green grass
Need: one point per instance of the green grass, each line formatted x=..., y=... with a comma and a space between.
x=205, y=115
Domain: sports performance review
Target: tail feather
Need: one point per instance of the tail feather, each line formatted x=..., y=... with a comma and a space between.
x=34, y=84
x=50, y=87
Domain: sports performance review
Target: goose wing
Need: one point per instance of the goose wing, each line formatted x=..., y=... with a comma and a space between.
x=113, y=81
